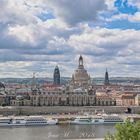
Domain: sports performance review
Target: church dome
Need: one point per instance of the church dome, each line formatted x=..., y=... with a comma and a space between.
x=80, y=76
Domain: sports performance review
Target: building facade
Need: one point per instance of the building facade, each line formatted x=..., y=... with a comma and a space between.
x=126, y=99
x=62, y=97
x=105, y=100
x=137, y=99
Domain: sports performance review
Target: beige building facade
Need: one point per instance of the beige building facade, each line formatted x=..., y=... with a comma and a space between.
x=105, y=100
x=125, y=100
x=137, y=99
x=61, y=98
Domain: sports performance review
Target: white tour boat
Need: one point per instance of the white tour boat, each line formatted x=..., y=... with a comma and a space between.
x=39, y=120
x=103, y=119
x=27, y=121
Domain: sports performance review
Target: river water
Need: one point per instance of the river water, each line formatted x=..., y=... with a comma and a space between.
x=56, y=132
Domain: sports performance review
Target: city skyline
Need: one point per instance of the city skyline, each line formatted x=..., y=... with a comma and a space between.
x=38, y=35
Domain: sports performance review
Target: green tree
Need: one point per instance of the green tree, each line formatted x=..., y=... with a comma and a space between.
x=3, y=104
x=125, y=131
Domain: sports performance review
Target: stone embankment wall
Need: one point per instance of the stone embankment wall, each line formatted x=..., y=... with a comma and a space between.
x=29, y=110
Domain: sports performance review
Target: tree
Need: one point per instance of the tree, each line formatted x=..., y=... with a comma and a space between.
x=3, y=104
x=126, y=131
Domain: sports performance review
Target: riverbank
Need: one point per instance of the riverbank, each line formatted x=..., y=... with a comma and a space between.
x=49, y=110
x=65, y=119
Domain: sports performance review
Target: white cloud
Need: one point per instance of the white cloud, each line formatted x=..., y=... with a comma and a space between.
x=135, y=17
x=131, y=18
x=110, y=4
x=13, y=11
x=112, y=48
x=101, y=48
x=77, y=11
x=103, y=40
x=23, y=33
x=29, y=44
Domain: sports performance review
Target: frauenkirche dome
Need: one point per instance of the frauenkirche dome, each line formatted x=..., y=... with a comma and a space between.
x=80, y=76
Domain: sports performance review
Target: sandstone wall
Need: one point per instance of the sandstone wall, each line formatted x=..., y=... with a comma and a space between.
x=28, y=110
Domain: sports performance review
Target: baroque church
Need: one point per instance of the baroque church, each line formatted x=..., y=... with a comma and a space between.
x=80, y=78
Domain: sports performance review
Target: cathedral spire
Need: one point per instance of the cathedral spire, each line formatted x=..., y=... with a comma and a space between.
x=33, y=81
x=106, y=78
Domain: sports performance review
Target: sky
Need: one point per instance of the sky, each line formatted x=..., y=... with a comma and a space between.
x=37, y=35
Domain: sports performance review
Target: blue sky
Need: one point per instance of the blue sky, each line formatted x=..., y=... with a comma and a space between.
x=123, y=6
x=38, y=35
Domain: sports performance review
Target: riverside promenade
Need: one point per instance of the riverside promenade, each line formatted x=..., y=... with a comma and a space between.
x=45, y=110
x=66, y=113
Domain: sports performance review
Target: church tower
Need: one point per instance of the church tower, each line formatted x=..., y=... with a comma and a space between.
x=33, y=84
x=106, y=82
x=56, y=76
x=81, y=63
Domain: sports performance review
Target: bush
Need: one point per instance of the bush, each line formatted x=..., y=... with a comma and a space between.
x=3, y=104
x=126, y=131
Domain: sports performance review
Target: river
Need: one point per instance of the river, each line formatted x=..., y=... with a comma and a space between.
x=56, y=132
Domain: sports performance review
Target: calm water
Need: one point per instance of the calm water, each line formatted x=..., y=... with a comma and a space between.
x=57, y=132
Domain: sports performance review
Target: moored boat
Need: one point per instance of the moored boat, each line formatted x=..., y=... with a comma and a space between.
x=27, y=121
x=112, y=119
x=103, y=119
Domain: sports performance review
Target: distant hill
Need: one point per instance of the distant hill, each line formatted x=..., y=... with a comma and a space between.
x=130, y=80
x=29, y=80
x=65, y=80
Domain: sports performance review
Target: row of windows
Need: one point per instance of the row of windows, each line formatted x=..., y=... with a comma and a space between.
x=106, y=102
x=70, y=97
